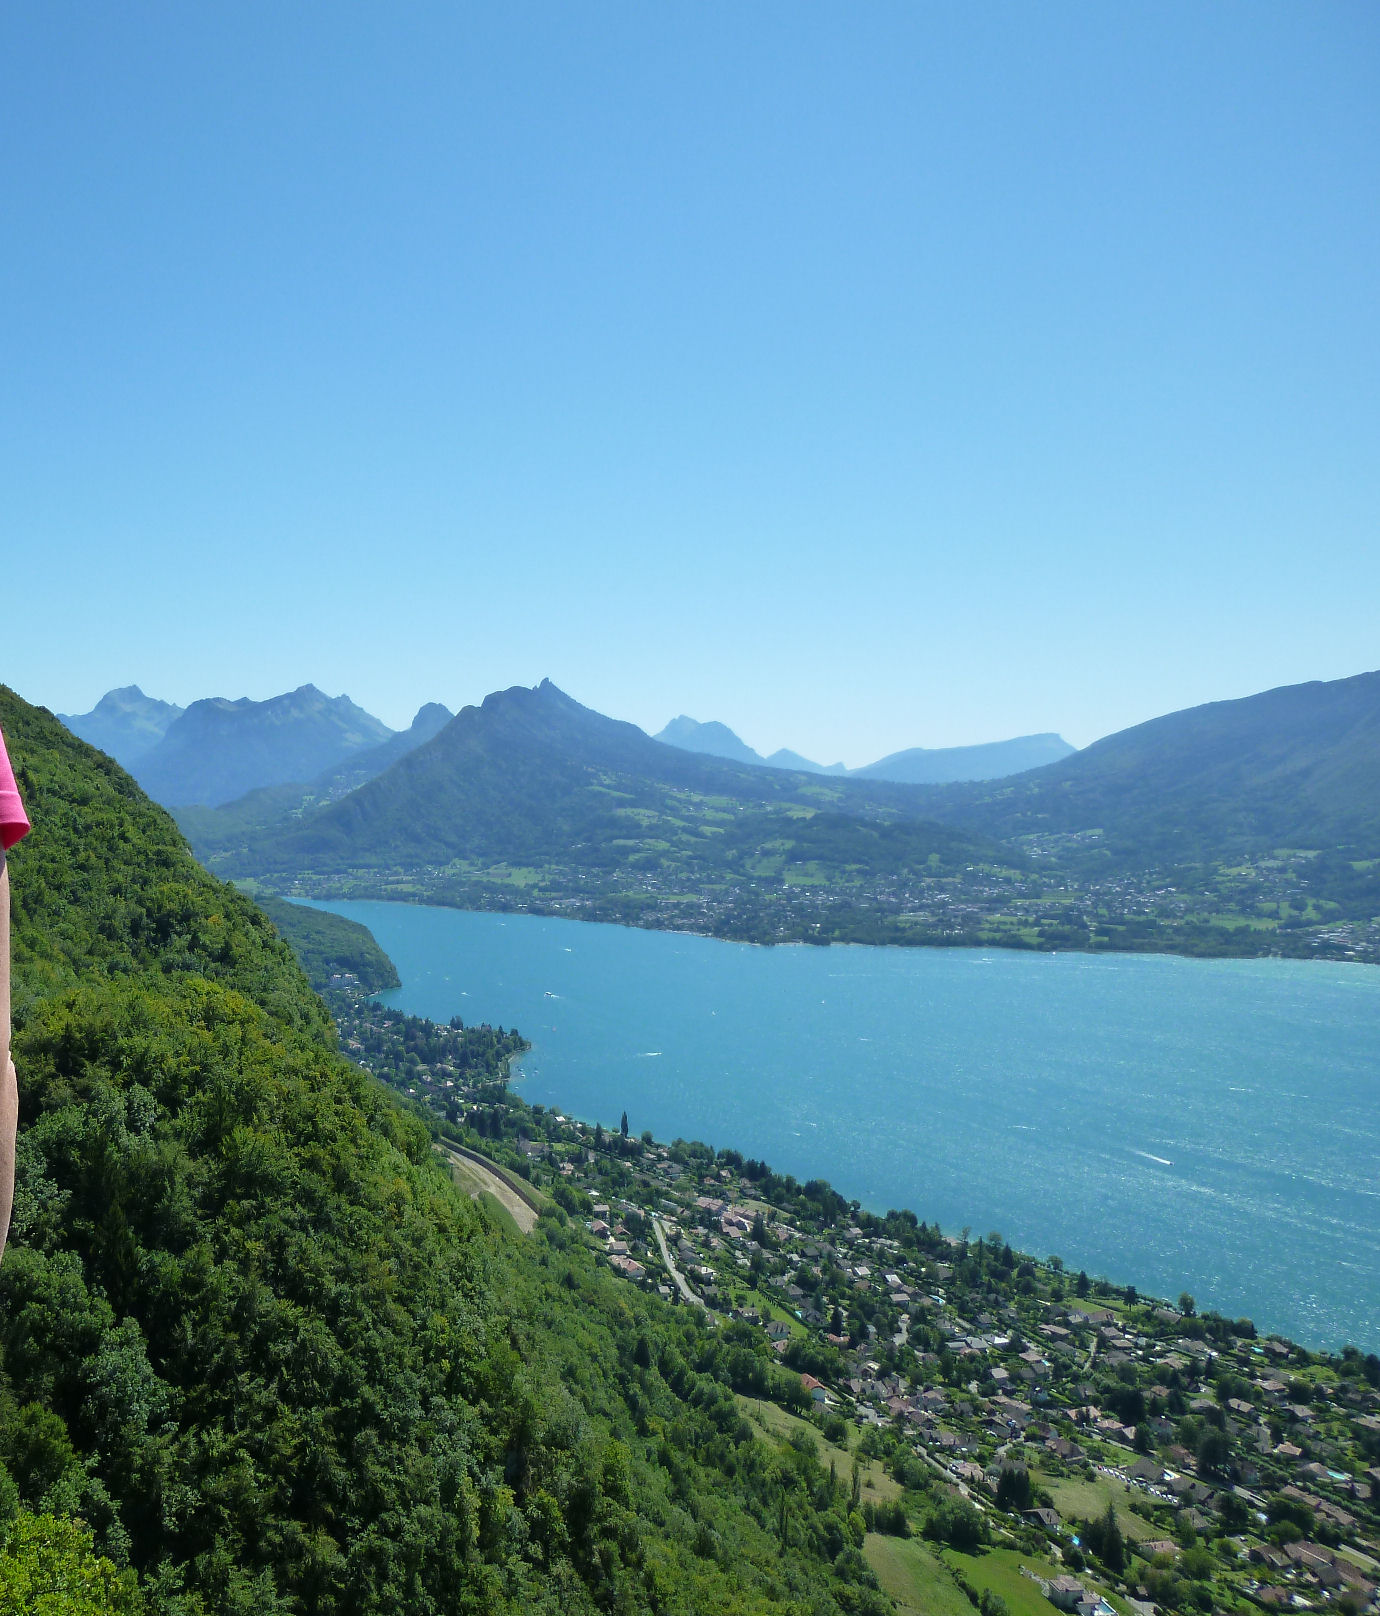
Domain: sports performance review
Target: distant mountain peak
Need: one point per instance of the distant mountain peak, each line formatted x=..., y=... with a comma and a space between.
x=784, y=758
x=919, y=765
x=990, y=760
x=125, y=723
x=220, y=749
x=713, y=739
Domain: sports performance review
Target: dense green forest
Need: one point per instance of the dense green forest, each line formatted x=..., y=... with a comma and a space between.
x=327, y=945
x=256, y=1342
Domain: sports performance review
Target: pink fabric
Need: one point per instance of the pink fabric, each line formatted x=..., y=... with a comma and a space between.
x=14, y=822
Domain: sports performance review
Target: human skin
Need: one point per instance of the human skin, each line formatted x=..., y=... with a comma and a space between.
x=9, y=1088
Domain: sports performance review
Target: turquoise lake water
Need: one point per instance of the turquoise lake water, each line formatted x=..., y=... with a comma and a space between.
x=1209, y=1126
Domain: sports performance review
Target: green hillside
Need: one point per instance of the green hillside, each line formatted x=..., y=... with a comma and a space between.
x=255, y=1339
x=1297, y=767
x=535, y=795
x=327, y=945
x=1238, y=828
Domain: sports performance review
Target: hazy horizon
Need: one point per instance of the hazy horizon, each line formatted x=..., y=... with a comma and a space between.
x=765, y=749
x=403, y=722
x=924, y=376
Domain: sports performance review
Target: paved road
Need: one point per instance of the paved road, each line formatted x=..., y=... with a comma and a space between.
x=675, y=1272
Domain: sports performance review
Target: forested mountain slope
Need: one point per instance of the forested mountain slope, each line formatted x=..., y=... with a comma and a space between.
x=253, y=1335
x=328, y=945
x=267, y=806
x=218, y=749
x=533, y=778
x=1294, y=767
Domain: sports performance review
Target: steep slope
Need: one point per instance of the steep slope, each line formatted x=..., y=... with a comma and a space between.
x=104, y=888
x=431, y=719
x=254, y=1337
x=125, y=723
x=329, y=946
x=1298, y=766
x=213, y=830
x=218, y=749
x=532, y=777
x=993, y=760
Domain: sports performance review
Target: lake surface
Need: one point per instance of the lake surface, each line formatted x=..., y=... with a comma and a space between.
x=1209, y=1126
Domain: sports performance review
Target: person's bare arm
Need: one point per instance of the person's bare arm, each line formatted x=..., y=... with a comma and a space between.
x=9, y=1088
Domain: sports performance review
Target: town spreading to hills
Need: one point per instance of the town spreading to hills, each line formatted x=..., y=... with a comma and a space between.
x=1247, y=827
x=305, y=1311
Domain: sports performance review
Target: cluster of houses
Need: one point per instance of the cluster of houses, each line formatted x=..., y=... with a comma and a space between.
x=978, y=1377
x=1008, y=1365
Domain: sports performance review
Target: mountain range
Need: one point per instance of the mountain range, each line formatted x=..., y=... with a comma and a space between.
x=269, y=805
x=1294, y=767
x=219, y=749
x=306, y=748
x=531, y=778
x=1239, y=826
x=917, y=765
x=1261, y=815
x=124, y=723
x=303, y=743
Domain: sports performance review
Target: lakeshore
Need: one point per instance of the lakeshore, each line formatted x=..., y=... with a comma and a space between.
x=1024, y=1420
x=1142, y=1116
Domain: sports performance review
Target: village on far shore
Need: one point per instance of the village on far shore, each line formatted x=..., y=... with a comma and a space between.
x=1038, y=1435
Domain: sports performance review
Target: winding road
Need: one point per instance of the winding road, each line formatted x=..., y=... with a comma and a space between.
x=681, y=1283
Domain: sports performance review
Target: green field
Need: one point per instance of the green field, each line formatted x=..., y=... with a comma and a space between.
x=1000, y=1570
x=498, y=1213
x=773, y=1312
x=1076, y=1496
x=915, y=1578
x=1099, y=1304
x=1251, y=922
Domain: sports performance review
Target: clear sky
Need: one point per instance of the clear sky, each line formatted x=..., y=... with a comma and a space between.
x=862, y=376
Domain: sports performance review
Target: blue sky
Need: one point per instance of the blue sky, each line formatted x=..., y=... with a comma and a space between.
x=861, y=376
